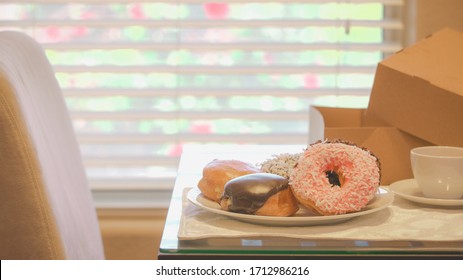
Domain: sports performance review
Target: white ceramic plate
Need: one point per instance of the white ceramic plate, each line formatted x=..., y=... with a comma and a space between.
x=382, y=199
x=409, y=190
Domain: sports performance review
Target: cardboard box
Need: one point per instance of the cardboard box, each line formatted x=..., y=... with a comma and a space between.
x=391, y=145
x=420, y=89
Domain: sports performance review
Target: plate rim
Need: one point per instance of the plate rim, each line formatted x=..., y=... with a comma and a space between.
x=386, y=195
x=411, y=184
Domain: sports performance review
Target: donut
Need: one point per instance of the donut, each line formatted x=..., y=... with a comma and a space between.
x=263, y=194
x=281, y=164
x=218, y=172
x=335, y=177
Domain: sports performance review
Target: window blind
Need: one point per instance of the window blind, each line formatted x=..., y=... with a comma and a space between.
x=143, y=78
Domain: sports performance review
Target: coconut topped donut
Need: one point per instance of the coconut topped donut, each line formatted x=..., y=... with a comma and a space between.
x=281, y=164
x=335, y=177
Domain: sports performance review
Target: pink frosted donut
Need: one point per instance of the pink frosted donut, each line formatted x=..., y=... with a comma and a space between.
x=335, y=177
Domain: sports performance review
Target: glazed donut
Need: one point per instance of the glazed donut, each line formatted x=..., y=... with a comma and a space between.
x=218, y=172
x=335, y=177
x=261, y=194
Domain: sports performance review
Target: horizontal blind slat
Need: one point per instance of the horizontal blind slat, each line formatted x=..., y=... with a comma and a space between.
x=272, y=138
x=385, y=2
x=203, y=92
x=383, y=47
x=92, y=161
x=282, y=23
x=228, y=70
x=206, y=115
x=132, y=184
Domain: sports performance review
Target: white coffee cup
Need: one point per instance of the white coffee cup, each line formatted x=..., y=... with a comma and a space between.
x=438, y=171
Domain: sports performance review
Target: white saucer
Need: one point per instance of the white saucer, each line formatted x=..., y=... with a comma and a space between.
x=383, y=198
x=409, y=190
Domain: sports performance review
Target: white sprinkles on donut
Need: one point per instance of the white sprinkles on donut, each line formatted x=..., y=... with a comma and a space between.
x=335, y=177
x=281, y=164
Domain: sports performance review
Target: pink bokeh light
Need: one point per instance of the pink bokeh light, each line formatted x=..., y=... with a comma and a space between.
x=216, y=10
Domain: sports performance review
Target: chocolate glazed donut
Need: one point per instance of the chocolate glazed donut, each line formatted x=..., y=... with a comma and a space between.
x=259, y=194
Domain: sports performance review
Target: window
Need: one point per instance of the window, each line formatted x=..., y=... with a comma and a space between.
x=143, y=78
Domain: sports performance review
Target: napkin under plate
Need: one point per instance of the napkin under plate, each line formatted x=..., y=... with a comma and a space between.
x=403, y=220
